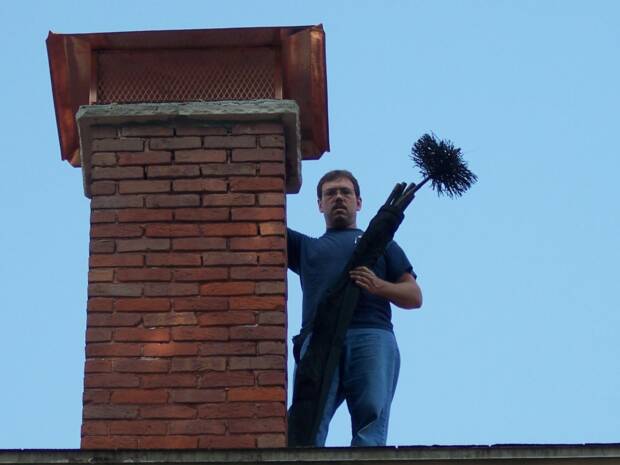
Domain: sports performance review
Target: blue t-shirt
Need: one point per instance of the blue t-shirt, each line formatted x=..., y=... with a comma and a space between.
x=319, y=262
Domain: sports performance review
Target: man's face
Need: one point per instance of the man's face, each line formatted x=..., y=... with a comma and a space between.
x=339, y=204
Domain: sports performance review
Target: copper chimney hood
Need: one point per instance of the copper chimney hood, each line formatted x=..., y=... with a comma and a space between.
x=191, y=65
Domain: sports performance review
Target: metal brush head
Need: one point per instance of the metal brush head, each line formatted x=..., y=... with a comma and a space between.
x=441, y=162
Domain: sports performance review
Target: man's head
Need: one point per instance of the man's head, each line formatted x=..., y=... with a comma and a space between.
x=339, y=200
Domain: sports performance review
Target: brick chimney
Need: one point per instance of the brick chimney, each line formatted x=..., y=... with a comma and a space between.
x=186, y=327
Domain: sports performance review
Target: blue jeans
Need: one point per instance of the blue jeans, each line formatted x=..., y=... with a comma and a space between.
x=366, y=378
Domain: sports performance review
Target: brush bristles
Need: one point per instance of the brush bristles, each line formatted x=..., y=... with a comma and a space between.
x=441, y=161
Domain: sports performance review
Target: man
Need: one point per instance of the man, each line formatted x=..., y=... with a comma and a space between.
x=369, y=365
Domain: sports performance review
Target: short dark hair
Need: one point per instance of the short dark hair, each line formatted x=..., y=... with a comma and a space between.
x=337, y=174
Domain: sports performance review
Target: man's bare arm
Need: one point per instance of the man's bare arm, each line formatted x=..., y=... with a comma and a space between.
x=405, y=293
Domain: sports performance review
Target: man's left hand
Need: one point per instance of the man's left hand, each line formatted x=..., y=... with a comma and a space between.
x=366, y=279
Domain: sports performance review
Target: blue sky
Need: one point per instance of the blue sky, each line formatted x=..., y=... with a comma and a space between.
x=517, y=341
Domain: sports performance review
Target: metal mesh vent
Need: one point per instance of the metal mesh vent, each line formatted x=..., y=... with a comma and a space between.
x=185, y=75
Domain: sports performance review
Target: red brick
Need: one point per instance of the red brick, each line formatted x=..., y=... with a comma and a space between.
x=116, y=319
x=173, y=259
x=257, y=303
x=272, y=378
x=229, y=258
x=201, y=130
x=114, y=290
x=115, y=230
x=256, y=184
x=172, y=230
x=137, y=427
x=231, y=169
x=225, y=200
x=95, y=428
x=276, y=141
x=270, y=287
x=101, y=246
x=271, y=318
x=257, y=214
x=272, y=169
x=101, y=275
x=117, y=201
x=169, y=319
x=228, y=348
x=271, y=258
x=271, y=441
x=271, y=199
x=173, y=200
x=98, y=366
x=139, y=396
x=258, y=128
x=143, y=274
x=258, y=154
x=272, y=229
x=265, y=425
x=102, y=216
x=200, y=156
x=201, y=214
x=116, y=145
x=144, y=158
x=103, y=188
x=146, y=130
x=227, y=288
x=171, y=349
x=228, y=410
x=143, y=244
x=197, y=427
x=168, y=411
x=199, y=244
x=103, y=132
x=174, y=143
x=141, y=366
x=125, y=172
x=271, y=347
x=169, y=442
x=257, y=243
x=200, y=185
x=226, y=318
x=171, y=289
x=143, y=187
x=195, y=364
x=236, y=441
x=144, y=215
x=201, y=304
x=142, y=305
x=97, y=261
x=173, y=171
x=257, y=272
x=256, y=394
x=175, y=380
x=199, y=334
x=113, y=349
x=96, y=396
x=254, y=333
x=263, y=362
x=197, y=396
x=201, y=274
x=229, y=142
x=99, y=304
x=227, y=379
x=106, y=442
x=110, y=380
x=142, y=335
x=229, y=229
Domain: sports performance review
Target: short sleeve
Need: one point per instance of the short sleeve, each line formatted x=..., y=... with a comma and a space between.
x=397, y=262
x=294, y=240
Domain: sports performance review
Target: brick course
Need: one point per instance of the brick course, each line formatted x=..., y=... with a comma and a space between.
x=185, y=340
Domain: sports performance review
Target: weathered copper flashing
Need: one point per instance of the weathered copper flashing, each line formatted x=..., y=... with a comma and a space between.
x=300, y=51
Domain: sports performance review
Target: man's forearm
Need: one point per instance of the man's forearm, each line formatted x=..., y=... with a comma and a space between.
x=405, y=294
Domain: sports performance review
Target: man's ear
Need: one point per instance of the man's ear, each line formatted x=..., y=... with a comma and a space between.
x=318, y=201
x=359, y=203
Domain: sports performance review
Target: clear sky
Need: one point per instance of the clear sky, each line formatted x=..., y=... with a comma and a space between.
x=517, y=341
